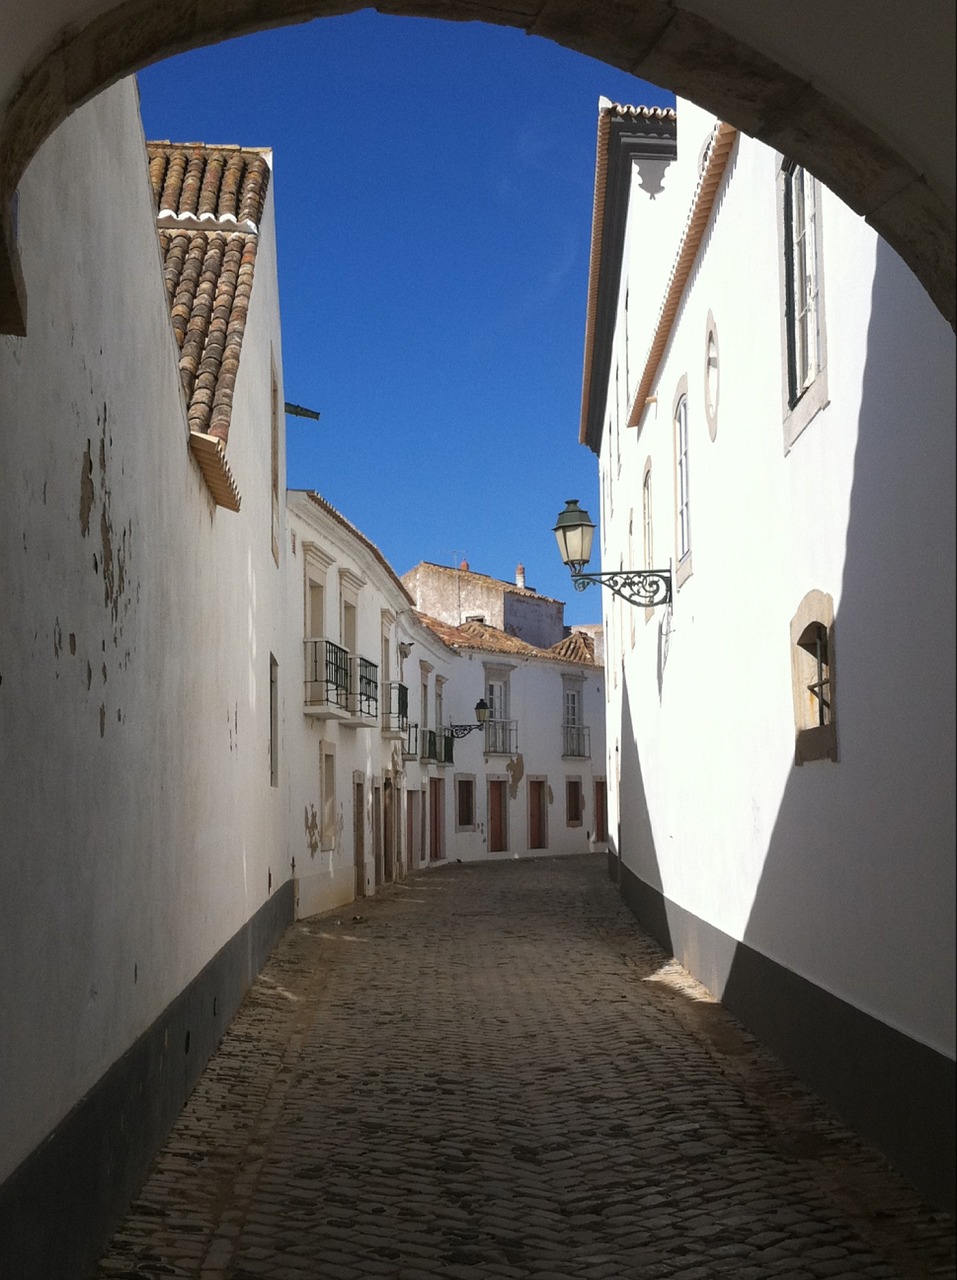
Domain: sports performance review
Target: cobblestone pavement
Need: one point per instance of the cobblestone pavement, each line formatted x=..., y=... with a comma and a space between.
x=489, y=1073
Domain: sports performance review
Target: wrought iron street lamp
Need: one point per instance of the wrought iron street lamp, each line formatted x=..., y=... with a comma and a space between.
x=481, y=715
x=574, y=531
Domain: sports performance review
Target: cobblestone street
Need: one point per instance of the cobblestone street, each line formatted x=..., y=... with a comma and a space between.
x=488, y=1072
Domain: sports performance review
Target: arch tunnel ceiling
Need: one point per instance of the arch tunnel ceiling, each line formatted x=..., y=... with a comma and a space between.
x=860, y=92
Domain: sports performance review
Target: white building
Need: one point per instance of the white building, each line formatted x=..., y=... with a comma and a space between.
x=387, y=766
x=782, y=736
x=533, y=781
x=144, y=874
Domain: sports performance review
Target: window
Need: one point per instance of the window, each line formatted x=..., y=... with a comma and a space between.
x=804, y=334
x=711, y=377
x=273, y=722
x=464, y=803
x=274, y=447
x=812, y=677
x=682, y=484
x=574, y=802
x=439, y=707
x=501, y=736
x=328, y=832
x=648, y=540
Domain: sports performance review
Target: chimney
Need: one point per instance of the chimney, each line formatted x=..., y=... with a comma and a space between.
x=464, y=567
x=520, y=575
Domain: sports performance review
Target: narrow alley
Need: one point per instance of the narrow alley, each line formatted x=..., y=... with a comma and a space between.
x=488, y=1071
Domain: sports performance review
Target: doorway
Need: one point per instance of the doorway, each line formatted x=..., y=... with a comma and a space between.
x=359, y=839
x=497, y=816
x=436, y=819
x=537, y=814
x=388, y=830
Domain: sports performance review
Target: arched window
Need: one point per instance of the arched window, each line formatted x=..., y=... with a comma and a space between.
x=682, y=484
x=812, y=679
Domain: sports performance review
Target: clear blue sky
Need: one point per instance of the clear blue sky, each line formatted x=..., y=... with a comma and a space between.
x=433, y=189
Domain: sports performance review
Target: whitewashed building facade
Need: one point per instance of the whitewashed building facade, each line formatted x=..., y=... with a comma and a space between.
x=781, y=738
x=144, y=874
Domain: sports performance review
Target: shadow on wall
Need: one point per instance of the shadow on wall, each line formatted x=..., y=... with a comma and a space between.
x=639, y=873
x=859, y=871
x=876, y=906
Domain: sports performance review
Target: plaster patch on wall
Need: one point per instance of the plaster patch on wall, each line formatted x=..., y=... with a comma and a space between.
x=312, y=830
x=516, y=772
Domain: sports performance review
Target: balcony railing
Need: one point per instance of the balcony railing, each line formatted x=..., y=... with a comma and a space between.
x=437, y=745
x=576, y=741
x=395, y=708
x=326, y=675
x=410, y=748
x=366, y=689
x=501, y=737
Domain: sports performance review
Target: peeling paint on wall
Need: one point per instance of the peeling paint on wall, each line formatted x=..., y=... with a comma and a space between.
x=86, y=490
x=312, y=830
x=516, y=772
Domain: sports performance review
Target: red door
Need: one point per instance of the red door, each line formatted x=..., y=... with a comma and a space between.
x=537, y=828
x=497, y=817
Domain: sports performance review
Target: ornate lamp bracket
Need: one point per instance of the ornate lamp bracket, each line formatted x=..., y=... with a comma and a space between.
x=647, y=587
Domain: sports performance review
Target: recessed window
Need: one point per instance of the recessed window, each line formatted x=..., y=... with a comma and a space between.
x=273, y=722
x=465, y=803
x=711, y=382
x=812, y=677
x=682, y=484
x=805, y=348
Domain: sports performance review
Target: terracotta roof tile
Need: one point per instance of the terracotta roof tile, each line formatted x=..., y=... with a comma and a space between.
x=480, y=637
x=575, y=648
x=208, y=203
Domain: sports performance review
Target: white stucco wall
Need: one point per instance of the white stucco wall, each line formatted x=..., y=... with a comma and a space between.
x=139, y=827
x=841, y=872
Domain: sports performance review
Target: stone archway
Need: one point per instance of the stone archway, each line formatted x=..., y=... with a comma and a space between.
x=821, y=91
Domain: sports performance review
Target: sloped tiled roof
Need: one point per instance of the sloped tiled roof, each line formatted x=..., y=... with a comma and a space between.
x=577, y=647
x=480, y=637
x=208, y=202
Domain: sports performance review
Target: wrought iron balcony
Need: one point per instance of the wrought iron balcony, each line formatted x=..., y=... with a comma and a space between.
x=327, y=680
x=395, y=709
x=437, y=745
x=365, y=687
x=501, y=737
x=576, y=741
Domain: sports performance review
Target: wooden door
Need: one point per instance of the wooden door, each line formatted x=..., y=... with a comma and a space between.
x=436, y=819
x=601, y=811
x=377, y=832
x=497, y=817
x=388, y=831
x=537, y=814
x=359, y=839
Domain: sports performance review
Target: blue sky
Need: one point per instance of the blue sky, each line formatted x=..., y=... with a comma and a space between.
x=433, y=189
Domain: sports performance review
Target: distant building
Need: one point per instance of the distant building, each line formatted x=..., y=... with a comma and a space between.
x=458, y=596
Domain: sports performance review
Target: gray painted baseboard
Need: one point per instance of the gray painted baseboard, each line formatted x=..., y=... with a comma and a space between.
x=896, y=1093
x=60, y=1207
